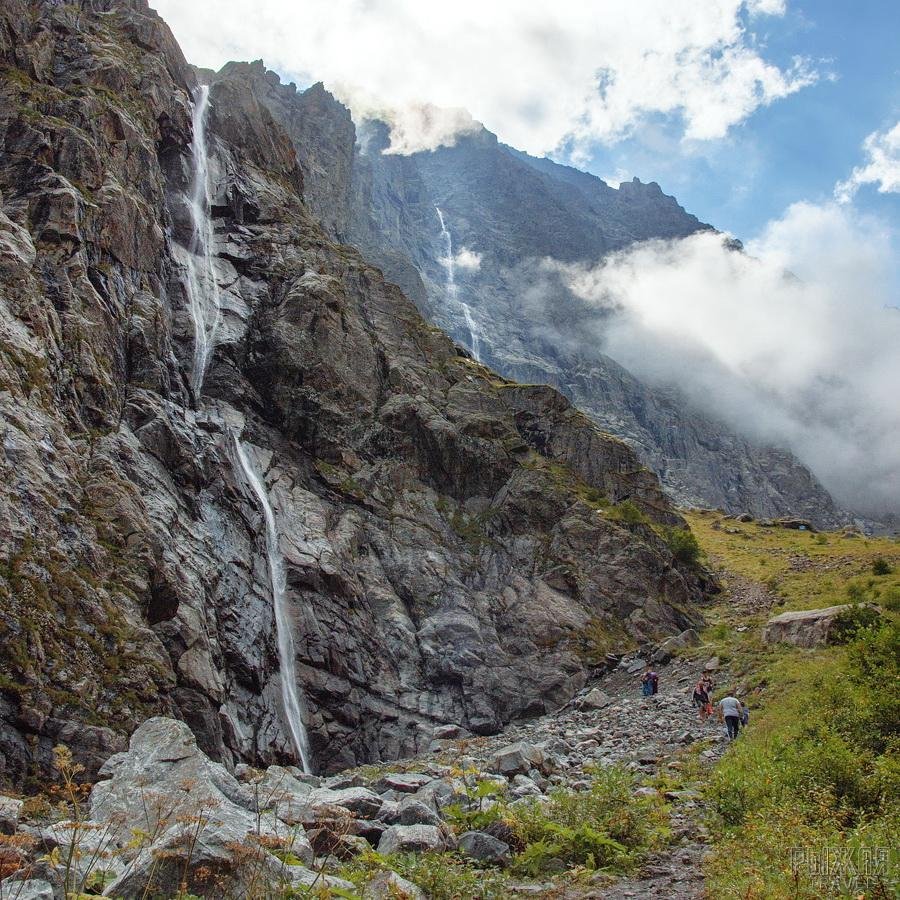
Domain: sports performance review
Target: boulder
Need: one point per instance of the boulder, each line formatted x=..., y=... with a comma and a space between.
x=595, y=699
x=414, y=812
x=163, y=775
x=390, y=886
x=484, y=848
x=363, y=803
x=403, y=782
x=10, y=808
x=806, y=628
x=413, y=839
x=518, y=759
x=32, y=889
x=450, y=733
x=669, y=648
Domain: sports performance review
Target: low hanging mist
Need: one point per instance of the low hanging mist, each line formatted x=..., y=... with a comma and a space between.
x=794, y=342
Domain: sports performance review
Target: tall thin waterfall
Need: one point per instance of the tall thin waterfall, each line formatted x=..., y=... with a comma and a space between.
x=293, y=707
x=206, y=310
x=203, y=290
x=453, y=292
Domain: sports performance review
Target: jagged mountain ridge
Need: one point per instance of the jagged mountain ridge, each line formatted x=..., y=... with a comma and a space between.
x=450, y=545
x=514, y=209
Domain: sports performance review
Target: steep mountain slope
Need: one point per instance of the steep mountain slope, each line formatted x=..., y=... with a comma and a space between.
x=513, y=210
x=455, y=545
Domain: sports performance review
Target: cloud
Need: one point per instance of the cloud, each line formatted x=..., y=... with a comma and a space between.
x=467, y=259
x=791, y=343
x=882, y=150
x=544, y=77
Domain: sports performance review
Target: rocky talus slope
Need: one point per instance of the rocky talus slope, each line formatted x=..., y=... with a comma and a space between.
x=454, y=543
x=266, y=833
x=514, y=210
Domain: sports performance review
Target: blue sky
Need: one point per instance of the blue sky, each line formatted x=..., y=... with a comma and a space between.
x=796, y=148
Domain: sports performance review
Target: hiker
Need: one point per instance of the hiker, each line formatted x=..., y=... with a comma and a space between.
x=654, y=681
x=700, y=699
x=731, y=710
x=647, y=680
x=745, y=715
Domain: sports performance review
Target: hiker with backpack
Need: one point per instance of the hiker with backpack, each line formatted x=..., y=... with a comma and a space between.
x=701, y=699
x=649, y=682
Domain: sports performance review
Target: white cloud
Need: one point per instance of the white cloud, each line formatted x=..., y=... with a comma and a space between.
x=792, y=343
x=882, y=149
x=467, y=259
x=543, y=76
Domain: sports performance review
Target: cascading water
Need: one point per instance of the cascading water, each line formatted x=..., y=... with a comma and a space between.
x=290, y=698
x=206, y=309
x=203, y=290
x=452, y=291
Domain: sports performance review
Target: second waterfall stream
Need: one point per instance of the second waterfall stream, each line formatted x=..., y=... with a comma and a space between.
x=204, y=301
x=453, y=292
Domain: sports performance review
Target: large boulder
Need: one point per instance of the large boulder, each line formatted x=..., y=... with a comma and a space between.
x=390, y=886
x=31, y=889
x=484, y=848
x=594, y=699
x=162, y=776
x=518, y=759
x=805, y=628
x=197, y=821
x=670, y=647
x=10, y=808
x=414, y=839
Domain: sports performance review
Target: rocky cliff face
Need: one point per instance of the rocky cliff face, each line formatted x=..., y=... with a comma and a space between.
x=457, y=546
x=512, y=210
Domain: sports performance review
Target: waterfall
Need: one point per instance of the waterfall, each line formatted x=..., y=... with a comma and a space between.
x=293, y=708
x=202, y=288
x=205, y=305
x=453, y=292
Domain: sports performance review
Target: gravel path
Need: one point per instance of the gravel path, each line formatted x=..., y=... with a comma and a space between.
x=647, y=735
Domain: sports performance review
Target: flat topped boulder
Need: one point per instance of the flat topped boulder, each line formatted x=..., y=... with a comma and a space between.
x=518, y=759
x=804, y=628
x=403, y=782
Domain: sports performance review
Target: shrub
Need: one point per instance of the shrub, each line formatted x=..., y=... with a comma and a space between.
x=605, y=826
x=480, y=808
x=880, y=566
x=847, y=624
x=627, y=513
x=683, y=545
x=442, y=876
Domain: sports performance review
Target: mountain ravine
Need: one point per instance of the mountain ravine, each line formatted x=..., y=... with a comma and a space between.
x=513, y=210
x=455, y=547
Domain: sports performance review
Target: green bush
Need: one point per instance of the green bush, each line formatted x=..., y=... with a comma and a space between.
x=880, y=566
x=683, y=545
x=850, y=622
x=627, y=513
x=479, y=809
x=582, y=846
x=603, y=827
x=442, y=876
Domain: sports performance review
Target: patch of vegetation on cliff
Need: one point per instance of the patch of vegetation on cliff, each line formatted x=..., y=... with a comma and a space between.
x=817, y=771
x=97, y=669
